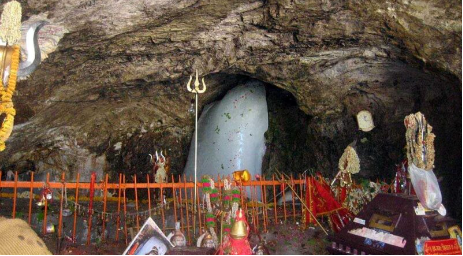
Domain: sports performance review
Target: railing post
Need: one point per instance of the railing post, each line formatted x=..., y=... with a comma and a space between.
x=44, y=228
x=162, y=209
x=118, y=220
x=136, y=201
x=125, y=215
x=292, y=196
x=90, y=206
x=75, y=210
x=14, y=193
x=264, y=202
x=186, y=207
x=60, y=219
x=175, y=199
x=284, y=197
x=149, y=193
x=31, y=196
x=275, y=206
x=180, y=198
x=105, y=192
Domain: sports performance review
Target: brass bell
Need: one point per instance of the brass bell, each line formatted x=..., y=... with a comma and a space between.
x=239, y=230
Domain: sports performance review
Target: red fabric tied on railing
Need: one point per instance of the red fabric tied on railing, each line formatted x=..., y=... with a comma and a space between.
x=321, y=201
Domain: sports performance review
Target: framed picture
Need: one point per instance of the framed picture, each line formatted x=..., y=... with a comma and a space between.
x=150, y=240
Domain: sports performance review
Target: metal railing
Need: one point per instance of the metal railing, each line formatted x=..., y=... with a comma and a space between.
x=261, y=212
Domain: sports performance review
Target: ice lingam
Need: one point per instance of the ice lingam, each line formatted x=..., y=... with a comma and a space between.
x=231, y=133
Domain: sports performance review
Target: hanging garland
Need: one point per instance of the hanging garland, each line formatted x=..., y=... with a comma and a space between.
x=210, y=220
x=210, y=194
x=206, y=184
x=10, y=33
x=236, y=195
x=214, y=195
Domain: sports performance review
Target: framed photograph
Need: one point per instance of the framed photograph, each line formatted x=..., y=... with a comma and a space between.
x=150, y=240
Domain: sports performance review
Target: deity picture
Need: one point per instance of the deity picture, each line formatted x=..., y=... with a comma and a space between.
x=149, y=241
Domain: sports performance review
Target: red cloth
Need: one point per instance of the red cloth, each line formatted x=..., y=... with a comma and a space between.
x=321, y=201
x=310, y=201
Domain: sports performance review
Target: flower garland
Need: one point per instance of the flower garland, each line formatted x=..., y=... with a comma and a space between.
x=227, y=199
x=206, y=184
x=210, y=220
x=10, y=33
x=210, y=194
x=6, y=105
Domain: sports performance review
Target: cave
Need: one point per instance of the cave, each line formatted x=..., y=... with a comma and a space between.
x=111, y=86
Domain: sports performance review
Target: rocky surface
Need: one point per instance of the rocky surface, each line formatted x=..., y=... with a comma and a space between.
x=114, y=88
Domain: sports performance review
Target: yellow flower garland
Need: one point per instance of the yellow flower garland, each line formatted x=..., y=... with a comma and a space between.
x=6, y=94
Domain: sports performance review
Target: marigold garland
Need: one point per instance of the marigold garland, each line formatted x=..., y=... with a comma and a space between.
x=6, y=105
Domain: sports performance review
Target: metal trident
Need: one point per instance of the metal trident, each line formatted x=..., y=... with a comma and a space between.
x=196, y=89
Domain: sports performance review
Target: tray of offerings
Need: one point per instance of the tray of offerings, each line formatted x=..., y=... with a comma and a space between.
x=391, y=224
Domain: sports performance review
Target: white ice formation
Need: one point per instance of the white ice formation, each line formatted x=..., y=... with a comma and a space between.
x=231, y=133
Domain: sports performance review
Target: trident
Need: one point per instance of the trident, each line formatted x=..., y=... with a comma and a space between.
x=196, y=91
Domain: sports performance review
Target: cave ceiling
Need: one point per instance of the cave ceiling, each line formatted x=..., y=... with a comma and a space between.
x=115, y=77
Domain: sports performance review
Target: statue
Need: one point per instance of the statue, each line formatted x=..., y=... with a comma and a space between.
x=159, y=170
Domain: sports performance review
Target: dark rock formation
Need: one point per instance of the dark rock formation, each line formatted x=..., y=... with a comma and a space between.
x=114, y=89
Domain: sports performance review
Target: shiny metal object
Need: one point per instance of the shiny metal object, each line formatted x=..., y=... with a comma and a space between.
x=239, y=230
x=34, y=56
x=196, y=91
x=50, y=228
